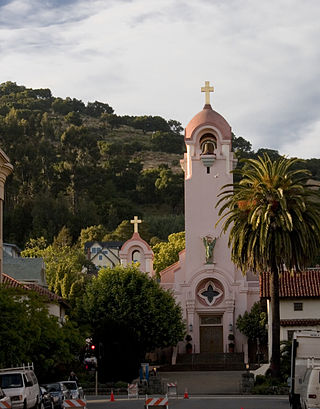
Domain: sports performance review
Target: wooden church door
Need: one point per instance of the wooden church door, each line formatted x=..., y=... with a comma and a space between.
x=211, y=334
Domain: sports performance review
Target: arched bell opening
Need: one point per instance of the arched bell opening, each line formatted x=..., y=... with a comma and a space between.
x=208, y=146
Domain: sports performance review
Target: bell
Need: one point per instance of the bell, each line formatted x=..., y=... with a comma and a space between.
x=208, y=148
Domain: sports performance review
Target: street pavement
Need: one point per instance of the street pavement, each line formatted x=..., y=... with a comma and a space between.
x=205, y=389
x=204, y=402
x=205, y=382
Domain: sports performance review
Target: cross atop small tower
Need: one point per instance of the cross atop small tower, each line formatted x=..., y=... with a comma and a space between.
x=207, y=89
x=135, y=222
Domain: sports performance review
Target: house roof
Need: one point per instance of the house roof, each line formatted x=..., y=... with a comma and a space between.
x=293, y=285
x=12, y=246
x=104, y=244
x=106, y=256
x=24, y=269
x=12, y=282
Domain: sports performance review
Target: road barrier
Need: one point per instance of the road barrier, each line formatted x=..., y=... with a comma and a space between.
x=172, y=389
x=158, y=402
x=133, y=390
x=74, y=403
x=5, y=404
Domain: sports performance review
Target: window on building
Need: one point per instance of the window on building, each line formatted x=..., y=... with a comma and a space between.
x=297, y=306
x=95, y=249
x=100, y=256
x=210, y=320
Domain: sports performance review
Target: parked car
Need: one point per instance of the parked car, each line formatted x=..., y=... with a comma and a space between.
x=21, y=385
x=310, y=397
x=58, y=392
x=46, y=400
x=4, y=399
x=75, y=390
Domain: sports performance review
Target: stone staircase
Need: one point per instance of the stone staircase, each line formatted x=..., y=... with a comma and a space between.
x=207, y=362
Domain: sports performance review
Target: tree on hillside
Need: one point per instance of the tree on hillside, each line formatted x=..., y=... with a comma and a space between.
x=97, y=108
x=92, y=233
x=161, y=226
x=167, y=253
x=272, y=217
x=130, y=314
x=169, y=186
x=125, y=230
x=167, y=142
x=150, y=123
x=175, y=126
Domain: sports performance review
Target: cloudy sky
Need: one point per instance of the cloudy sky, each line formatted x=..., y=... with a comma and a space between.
x=151, y=57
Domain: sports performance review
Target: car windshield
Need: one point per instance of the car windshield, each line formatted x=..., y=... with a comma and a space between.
x=13, y=380
x=53, y=387
x=70, y=385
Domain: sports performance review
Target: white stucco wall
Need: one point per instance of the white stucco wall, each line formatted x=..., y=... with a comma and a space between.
x=311, y=309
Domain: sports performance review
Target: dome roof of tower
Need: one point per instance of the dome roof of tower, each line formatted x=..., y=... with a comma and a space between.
x=208, y=117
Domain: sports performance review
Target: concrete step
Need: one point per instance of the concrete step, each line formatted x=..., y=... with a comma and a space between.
x=207, y=362
x=202, y=367
x=205, y=358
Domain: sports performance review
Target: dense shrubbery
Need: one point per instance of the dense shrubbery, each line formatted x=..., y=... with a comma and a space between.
x=265, y=385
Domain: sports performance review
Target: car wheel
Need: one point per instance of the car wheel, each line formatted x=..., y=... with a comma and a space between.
x=25, y=404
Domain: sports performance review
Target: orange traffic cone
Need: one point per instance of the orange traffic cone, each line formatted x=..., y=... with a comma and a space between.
x=186, y=396
x=112, y=396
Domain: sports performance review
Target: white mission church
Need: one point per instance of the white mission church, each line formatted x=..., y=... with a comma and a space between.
x=208, y=286
x=211, y=291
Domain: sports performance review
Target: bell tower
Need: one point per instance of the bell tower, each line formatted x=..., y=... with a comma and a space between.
x=208, y=286
x=207, y=165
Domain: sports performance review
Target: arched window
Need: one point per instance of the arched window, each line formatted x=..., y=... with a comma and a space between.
x=136, y=256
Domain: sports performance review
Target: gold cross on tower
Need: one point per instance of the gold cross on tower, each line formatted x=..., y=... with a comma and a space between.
x=135, y=222
x=207, y=89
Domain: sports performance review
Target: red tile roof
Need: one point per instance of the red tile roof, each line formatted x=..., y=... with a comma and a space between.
x=45, y=292
x=11, y=282
x=293, y=285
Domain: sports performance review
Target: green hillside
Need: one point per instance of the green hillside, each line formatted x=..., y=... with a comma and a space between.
x=79, y=165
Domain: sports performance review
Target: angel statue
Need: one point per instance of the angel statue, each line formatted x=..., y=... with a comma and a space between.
x=209, y=244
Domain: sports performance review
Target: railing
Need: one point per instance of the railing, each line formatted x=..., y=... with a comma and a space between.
x=23, y=367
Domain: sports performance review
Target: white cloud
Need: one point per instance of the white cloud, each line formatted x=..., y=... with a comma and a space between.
x=151, y=57
x=307, y=146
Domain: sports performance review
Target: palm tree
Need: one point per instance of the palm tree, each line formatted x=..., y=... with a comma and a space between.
x=273, y=219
